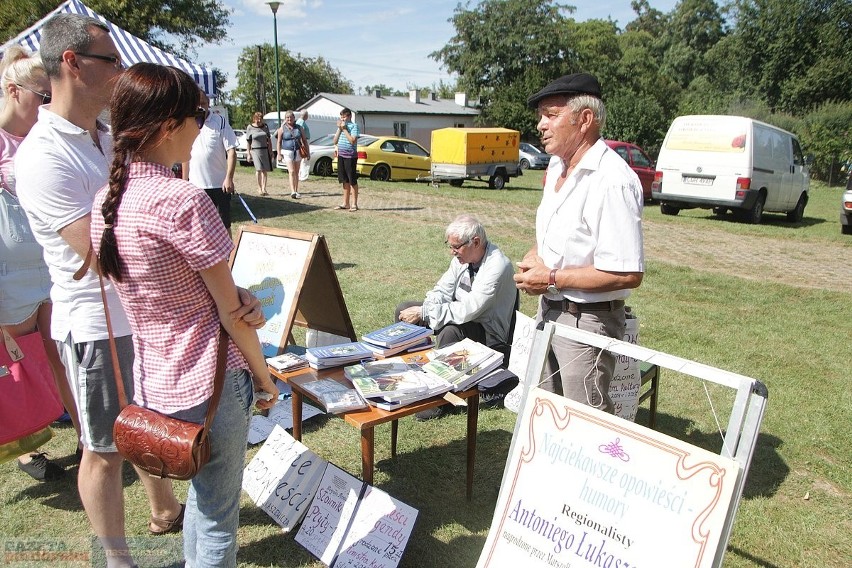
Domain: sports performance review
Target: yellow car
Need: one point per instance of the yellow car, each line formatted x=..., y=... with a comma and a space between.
x=384, y=158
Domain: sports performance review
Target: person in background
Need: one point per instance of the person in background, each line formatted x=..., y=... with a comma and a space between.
x=346, y=141
x=213, y=161
x=588, y=252
x=25, y=281
x=59, y=166
x=156, y=238
x=302, y=122
x=290, y=138
x=259, y=150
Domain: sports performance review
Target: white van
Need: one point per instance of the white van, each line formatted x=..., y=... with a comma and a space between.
x=731, y=162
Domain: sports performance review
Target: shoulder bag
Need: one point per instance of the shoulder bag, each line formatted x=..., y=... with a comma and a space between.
x=303, y=150
x=161, y=445
x=29, y=401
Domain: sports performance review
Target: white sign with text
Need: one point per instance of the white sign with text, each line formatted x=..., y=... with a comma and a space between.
x=585, y=489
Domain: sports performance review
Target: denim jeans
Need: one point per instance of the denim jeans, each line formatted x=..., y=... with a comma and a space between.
x=213, y=501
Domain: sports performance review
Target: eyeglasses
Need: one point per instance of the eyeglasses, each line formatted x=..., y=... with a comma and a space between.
x=456, y=248
x=200, y=116
x=116, y=61
x=45, y=97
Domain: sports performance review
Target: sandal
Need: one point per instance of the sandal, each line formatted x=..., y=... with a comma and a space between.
x=341, y=207
x=354, y=208
x=167, y=527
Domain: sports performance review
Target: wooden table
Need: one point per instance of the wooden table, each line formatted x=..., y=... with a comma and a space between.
x=366, y=420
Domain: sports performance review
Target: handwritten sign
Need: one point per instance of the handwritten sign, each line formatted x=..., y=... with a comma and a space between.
x=626, y=381
x=271, y=267
x=282, y=415
x=330, y=513
x=583, y=488
x=379, y=532
x=519, y=358
x=282, y=478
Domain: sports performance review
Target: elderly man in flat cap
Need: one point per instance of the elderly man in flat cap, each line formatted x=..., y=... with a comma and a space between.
x=588, y=251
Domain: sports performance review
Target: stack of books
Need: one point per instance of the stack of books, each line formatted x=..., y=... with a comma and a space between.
x=463, y=364
x=392, y=383
x=337, y=355
x=396, y=338
x=287, y=362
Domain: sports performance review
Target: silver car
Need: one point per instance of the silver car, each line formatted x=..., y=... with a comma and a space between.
x=846, y=209
x=531, y=157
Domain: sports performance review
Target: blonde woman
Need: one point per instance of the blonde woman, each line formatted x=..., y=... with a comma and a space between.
x=25, y=282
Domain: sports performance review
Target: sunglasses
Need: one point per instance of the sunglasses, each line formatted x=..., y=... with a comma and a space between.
x=200, y=115
x=115, y=61
x=45, y=97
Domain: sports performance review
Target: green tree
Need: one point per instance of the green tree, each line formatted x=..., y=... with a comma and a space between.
x=794, y=54
x=300, y=78
x=502, y=50
x=174, y=25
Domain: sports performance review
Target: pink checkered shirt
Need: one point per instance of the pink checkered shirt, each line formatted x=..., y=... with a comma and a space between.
x=167, y=231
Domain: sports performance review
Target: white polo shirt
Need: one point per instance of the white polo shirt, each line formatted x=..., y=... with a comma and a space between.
x=208, y=163
x=59, y=169
x=595, y=219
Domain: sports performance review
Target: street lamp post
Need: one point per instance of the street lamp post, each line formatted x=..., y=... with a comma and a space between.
x=274, y=7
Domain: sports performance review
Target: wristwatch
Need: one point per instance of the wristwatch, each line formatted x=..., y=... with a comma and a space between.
x=551, y=286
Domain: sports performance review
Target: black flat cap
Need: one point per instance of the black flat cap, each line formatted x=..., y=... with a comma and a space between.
x=573, y=84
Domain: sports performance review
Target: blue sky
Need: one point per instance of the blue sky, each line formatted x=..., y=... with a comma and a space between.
x=370, y=41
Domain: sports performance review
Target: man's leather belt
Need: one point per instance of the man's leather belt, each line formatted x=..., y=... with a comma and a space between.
x=565, y=305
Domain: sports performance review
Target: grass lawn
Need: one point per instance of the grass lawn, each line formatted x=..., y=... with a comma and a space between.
x=797, y=509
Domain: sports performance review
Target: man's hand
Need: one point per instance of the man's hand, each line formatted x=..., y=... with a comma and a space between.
x=533, y=277
x=228, y=185
x=250, y=313
x=410, y=315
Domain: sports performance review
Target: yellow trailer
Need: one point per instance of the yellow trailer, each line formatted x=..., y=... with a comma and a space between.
x=468, y=153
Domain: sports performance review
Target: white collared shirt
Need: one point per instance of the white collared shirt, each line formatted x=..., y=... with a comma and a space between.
x=208, y=163
x=59, y=169
x=595, y=219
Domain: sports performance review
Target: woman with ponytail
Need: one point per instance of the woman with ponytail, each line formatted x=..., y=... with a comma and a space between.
x=161, y=241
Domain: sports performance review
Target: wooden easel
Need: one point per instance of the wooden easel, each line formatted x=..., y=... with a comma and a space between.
x=292, y=275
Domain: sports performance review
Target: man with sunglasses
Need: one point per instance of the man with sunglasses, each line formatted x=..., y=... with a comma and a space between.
x=475, y=297
x=213, y=161
x=60, y=165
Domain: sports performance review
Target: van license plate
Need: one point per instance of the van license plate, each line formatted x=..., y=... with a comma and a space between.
x=692, y=180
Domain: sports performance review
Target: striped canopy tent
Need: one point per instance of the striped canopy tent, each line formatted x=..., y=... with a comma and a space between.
x=131, y=48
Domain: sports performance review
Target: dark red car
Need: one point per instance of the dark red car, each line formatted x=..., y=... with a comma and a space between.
x=639, y=162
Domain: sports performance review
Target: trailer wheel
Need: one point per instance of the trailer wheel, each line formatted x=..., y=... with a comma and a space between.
x=381, y=172
x=456, y=182
x=498, y=180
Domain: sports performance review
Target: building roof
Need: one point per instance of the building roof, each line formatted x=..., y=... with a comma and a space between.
x=395, y=105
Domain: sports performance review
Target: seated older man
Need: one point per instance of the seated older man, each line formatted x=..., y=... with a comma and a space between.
x=475, y=297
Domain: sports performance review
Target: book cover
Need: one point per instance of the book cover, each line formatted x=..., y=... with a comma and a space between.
x=369, y=369
x=416, y=344
x=341, y=350
x=287, y=362
x=336, y=402
x=452, y=361
x=396, y=333
x=389, y=384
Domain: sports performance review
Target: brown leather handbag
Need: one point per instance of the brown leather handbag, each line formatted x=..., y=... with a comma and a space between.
x=161, y=445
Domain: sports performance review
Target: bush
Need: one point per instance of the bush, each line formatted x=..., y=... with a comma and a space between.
x=825, y=134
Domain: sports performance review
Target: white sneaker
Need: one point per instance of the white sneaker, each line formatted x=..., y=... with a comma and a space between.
x=295, y=195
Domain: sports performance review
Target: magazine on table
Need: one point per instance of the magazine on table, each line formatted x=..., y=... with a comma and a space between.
x=417, y=344
x=396, y=334
x=390, y=385
x=376, y=368
x=434, y=386
x=471, y=377
x=453, y=361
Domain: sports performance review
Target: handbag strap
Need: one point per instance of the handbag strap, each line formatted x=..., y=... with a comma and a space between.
x=221, y=361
